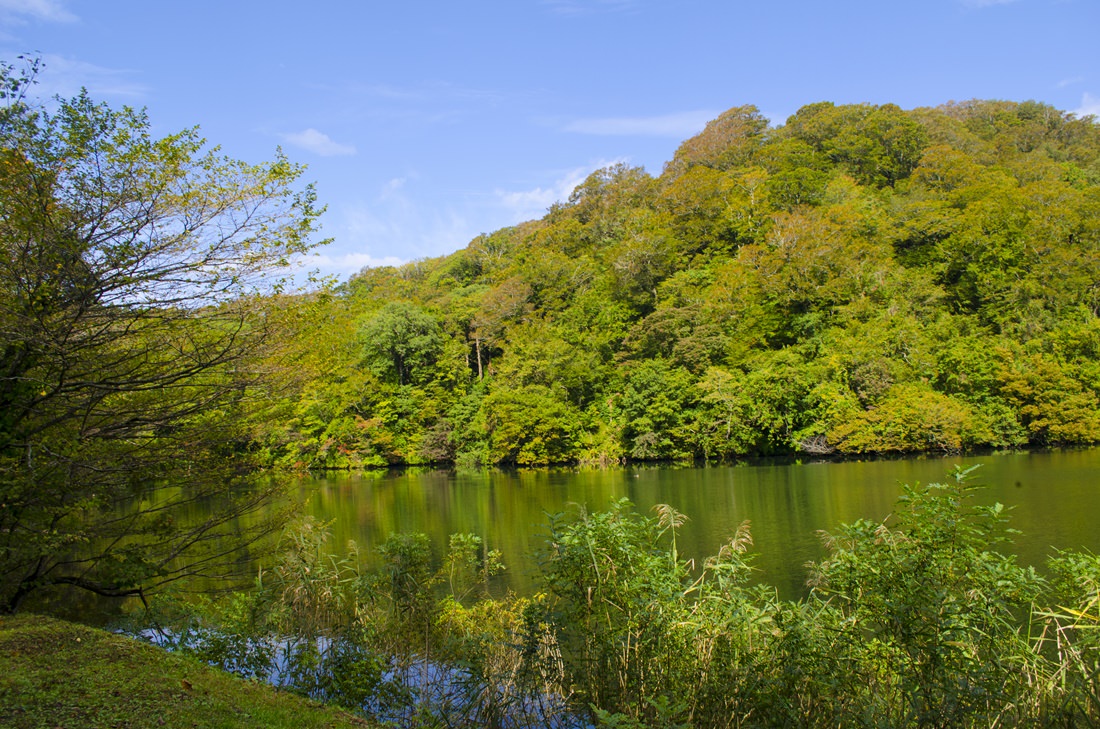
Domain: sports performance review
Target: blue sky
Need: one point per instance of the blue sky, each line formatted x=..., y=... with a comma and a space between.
x=426, y=123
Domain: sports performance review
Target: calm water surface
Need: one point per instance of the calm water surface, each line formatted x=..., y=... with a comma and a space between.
x=1055, y=498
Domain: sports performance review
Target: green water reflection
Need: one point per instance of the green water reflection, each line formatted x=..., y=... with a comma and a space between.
x=1054, y=495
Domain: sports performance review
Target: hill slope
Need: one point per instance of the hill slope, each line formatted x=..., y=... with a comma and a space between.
x=862, y=279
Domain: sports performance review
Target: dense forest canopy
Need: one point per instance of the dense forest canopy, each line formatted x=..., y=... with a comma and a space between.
x=861, y=279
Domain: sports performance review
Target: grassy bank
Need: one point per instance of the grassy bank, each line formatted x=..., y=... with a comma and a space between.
x=58, y=674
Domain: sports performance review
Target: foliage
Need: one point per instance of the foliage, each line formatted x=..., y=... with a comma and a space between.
x=929, y=597
x=418, y=641
x=914, y=622
x=528, y=426
x=615, y=604
x=859, y=279
x=1071, y=640
x=402, y=342
x=133, y=345
x=912, y=418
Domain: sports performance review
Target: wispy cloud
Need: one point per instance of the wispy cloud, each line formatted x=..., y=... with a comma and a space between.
x=1069, y=81
x=20, y=11
x=530, y=204
x=588, y=7
x=679, y=125
x=395, y=226
x=416, y=105
x=65, y=77
x=317, y=142
x=1090, y=106
x=385, y=91
x=431, y=92
x=347, y=263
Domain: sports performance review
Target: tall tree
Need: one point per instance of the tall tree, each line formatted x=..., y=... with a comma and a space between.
x=130, y=269
x=402, y=342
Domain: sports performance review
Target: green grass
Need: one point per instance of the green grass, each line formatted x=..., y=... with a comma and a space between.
x=59, y=674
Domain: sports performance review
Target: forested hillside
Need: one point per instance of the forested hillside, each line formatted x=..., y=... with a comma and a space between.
x=861, y=279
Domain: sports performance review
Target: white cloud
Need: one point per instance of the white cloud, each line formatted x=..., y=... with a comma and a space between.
x=1070, y=81
x=317, y=142
x=343, y=264
x=65, y=77
x=397, y=225
x=394, y=227
x=19, y=11
x=679, y=125
x=392, y=189
x=1090, y=106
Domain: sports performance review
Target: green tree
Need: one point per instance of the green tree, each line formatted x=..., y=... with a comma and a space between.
x=850, y=275
x=1053, y=405
x=726, y=142
x=912, y=417
x=131, y=330
x=529, y=426
x=880, y=145
x=657, y=402
x=604, y=202
x=763, y=410
x=799, y=173
x=402, y=342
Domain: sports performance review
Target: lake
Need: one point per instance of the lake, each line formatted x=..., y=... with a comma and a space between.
x=1054, y=495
